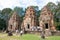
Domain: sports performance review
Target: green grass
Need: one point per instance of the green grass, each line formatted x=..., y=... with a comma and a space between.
x=26, y=37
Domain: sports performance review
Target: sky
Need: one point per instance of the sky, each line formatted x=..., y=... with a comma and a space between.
x=24, y=3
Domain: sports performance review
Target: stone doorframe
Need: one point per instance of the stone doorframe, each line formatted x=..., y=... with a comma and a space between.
x=46, y=24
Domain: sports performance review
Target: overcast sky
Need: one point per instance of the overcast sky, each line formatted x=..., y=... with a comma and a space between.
x=24, y=3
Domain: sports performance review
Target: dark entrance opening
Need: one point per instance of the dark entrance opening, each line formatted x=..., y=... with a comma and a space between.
x=11, y=26
x=28, y=26
x=46, y=25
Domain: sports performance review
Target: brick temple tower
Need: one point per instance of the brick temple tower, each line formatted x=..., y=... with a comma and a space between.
x=46, y=19
x=29, y=20
x=14, y=22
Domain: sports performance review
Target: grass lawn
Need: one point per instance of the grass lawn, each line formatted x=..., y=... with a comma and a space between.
x=26, y=37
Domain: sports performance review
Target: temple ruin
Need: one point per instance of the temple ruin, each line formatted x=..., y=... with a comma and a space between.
x=46, y=20
x=14, y=22
x=29, y=21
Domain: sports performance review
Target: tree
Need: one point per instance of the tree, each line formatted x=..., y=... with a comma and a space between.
x=5, y=15
x=58, y=10
x=19, y=10
x=58, y=15
x=0, y=14
x=2, y=24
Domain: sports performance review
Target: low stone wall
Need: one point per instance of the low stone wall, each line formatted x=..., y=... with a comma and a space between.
x=57, y=33
x=34, y=32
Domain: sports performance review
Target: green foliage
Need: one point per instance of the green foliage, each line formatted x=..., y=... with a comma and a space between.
x=2, y=24
x=19, y=10
x=57, y=24
x=4, y=16
x=6, y=11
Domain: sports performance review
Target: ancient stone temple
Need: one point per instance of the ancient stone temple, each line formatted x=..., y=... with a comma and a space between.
x=14, y=22
x=29, y=21
x=46, y=20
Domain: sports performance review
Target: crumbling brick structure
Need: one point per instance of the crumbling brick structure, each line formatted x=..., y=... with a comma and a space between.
x=29, y=20
x=14, y=22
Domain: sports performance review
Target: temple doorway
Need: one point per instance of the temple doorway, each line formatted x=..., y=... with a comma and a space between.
x=46, y=25
x=28, y=26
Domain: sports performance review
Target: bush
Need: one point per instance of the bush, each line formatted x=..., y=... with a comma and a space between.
x=57, y=24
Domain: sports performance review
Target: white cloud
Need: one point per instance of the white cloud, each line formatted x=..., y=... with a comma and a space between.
x=28, y=2
x=24, y=3
x=8, y=3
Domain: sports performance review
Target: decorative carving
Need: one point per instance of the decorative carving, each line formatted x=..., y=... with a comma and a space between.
x=14, y=21
x=30, y=18
x=46, y=20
